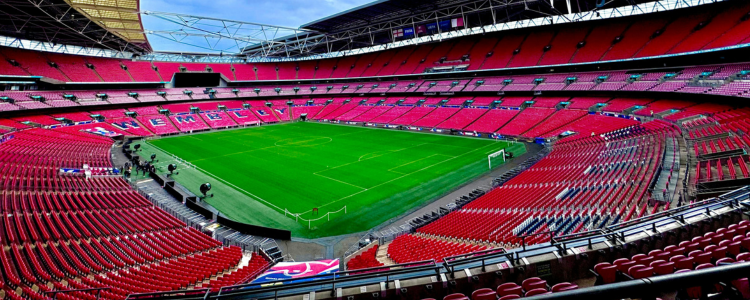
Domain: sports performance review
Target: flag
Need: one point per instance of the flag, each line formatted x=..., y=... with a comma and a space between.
x=409, y=31
x=398, y=33
x=457, y=22
x=445, y=25
x=295, y=270
x=102, y=132
x=157, y=122
x=213, y=116
x=421, y=29
x=184, y=119
x=124, y=125
x=431, y=27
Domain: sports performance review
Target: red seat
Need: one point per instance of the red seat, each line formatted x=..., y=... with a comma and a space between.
x=455, y=296
x=725, y=261
x=743, y=287
x=535, y=292
x=525, y=284
x=606, y=271
x=734, y=248
x=643, y=272
x=743, y=256
x=701, y=257
x=664, y=268
x=509, y=297
x=535, y=285
x=625, y=266
x=516, y=290
x=484, y=294
x=564, y=286
x=719, y=252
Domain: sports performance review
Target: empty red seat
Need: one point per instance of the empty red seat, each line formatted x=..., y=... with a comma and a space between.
x=606, y=271
x=535, y=292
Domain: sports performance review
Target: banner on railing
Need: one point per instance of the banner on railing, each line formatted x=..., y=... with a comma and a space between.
x=299, y=270
x=6, y=137
x=101, y=131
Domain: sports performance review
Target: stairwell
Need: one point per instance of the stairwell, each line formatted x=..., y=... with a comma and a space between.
x=382, y=255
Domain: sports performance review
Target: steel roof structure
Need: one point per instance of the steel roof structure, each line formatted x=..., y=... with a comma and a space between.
x=57, y=22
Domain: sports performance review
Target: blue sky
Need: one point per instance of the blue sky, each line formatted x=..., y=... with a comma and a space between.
x=289, y=13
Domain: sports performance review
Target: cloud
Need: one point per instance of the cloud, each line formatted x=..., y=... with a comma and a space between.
x=287, y=13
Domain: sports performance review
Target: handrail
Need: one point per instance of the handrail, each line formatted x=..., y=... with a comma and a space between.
x=98, y=291
x=183, y=294
x=327, y=280
x=648, y=288
x=671, y=212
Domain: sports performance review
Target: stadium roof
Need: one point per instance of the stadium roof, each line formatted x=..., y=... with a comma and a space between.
x=373, y=24
x=108, y=24
x=389, y=10
x=120, y=17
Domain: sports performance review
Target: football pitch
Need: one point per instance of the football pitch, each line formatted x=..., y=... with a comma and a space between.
x=275, y=175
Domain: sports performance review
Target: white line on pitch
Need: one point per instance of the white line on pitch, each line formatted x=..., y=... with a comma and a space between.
x=397, y=178
x=334, y=179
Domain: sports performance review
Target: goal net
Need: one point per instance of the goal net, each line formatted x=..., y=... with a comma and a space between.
x=496, y=159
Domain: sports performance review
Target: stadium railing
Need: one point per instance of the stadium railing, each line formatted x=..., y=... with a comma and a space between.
x=619, y=234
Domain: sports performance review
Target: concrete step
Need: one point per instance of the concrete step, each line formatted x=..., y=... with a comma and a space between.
x=382, y=255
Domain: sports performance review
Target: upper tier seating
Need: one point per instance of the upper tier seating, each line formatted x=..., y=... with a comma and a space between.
x=109, y=69
x=33, y=62
x=142, y=71
x=74, y=67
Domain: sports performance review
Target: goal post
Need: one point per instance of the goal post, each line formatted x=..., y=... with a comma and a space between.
x=494, y=157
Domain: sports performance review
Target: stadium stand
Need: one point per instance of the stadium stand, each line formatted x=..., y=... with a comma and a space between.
x=158, y=124
x=244, y=117
x=412, y=115
x=628, y=147
x=525, y=120
x=462, y=118
x=142, y=71
x=217, y=119
x=492, y=120
x=129, y=125
x=436, y=117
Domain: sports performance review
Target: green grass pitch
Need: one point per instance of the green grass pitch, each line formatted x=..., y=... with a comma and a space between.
x=259, y=173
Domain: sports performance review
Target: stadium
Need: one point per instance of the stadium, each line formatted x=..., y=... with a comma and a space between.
x=400, y=149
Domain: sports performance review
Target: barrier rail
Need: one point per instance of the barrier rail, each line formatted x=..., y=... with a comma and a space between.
x=649, y=288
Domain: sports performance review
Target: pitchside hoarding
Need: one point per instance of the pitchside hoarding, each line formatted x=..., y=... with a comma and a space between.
x=299, y=270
